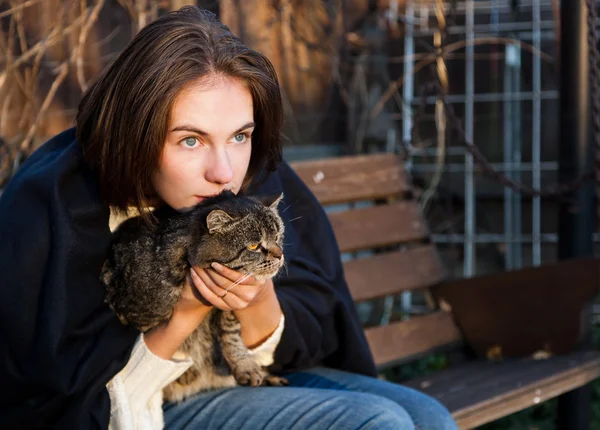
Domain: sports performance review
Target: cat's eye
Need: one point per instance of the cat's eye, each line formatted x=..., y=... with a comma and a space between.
x=253, y=247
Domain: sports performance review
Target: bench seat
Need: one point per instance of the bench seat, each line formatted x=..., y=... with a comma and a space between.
x=381, y=231
x=478, y=392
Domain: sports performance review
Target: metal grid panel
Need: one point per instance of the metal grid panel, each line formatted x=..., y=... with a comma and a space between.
x=521, y=118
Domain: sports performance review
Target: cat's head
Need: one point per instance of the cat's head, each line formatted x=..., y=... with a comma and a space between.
x=244, y=233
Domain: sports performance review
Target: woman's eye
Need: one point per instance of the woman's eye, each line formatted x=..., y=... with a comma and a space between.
x=190, y=142
x=253, y=247
x=240, y=138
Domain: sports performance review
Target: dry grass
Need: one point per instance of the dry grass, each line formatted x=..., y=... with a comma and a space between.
x=50, y=51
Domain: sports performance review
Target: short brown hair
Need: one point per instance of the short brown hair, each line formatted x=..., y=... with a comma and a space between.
x=123, y=117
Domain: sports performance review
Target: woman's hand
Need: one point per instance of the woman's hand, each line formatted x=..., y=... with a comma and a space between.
x=217, y=287
x=191, y=302
x=165, y=339
x=254, y=302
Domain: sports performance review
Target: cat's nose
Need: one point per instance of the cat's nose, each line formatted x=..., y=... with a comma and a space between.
x=276, y=251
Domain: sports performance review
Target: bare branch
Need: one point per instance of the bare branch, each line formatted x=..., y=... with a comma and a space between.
x=18, y=8
x=4, y=115
x=89, y=23
x=63, y=71
x=45, y=44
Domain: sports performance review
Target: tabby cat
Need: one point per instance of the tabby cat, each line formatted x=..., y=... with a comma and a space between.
x=147, y=266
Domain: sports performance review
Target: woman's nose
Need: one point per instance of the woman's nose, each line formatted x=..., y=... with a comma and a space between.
x=219, y=170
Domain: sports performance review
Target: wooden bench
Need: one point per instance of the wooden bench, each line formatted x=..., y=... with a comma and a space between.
x=401, y=258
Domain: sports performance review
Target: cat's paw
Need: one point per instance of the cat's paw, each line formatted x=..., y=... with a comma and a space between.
x=188, y=377
x=248, y=375
x=275, y=381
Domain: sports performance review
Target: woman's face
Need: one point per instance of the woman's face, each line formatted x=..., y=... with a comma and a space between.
x=208, y=143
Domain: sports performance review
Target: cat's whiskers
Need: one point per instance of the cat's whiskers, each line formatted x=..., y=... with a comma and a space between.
x=242, y=279
x=285, y=266
x=295, y=219
x=289, y=206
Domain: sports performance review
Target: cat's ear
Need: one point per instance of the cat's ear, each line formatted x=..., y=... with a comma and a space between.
x=216, y=220
x=271, y=201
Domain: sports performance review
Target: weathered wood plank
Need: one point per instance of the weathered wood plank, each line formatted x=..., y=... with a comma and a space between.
x=480, y=392
x=394, y=272
x=400, y=340
x=353, y=178
x=378, y=226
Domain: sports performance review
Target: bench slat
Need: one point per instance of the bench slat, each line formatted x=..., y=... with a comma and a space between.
x=353, y=178
x=394, y=272
x=405, y=339
x=378, y=226
x=480, y=392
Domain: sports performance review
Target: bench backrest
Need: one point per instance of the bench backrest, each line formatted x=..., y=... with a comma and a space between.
x=392, y=227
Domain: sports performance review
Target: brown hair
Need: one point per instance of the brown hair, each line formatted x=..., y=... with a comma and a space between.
x=123, y=117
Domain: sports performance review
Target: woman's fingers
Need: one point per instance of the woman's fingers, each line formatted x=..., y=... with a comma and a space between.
x=222, y=285
x=210, y=291
x=232, y=275
x=193, y=281
x=204, y=291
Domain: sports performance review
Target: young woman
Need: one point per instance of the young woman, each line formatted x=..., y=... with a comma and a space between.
x=185, y=112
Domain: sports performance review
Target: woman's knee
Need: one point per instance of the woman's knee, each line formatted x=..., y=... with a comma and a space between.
x=368, y=411
x=431, y=415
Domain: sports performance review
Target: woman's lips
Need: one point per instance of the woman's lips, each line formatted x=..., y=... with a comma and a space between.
x=202, y=198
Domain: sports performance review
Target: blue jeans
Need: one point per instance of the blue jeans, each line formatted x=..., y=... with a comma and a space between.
x=319, y=398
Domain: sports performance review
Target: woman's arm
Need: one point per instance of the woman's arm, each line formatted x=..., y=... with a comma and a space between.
x=165, y=339
x=261, y=317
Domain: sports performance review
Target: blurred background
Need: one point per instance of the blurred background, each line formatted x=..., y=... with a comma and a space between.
x=358, y=76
